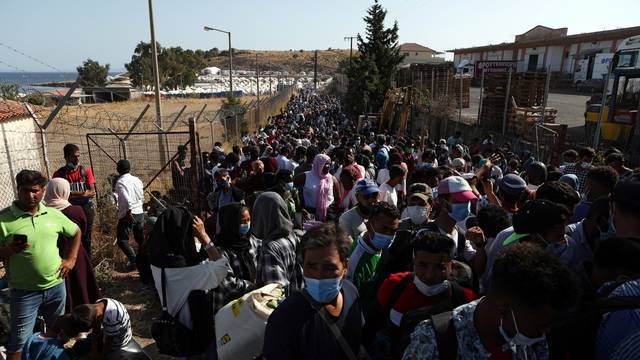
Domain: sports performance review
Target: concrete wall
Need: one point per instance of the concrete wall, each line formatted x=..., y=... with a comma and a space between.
x=19, y=150
x=420, y=57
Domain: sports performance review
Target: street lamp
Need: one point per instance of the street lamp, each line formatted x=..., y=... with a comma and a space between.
x=207, y=28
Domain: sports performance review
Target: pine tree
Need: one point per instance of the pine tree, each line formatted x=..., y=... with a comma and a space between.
x=378, y=57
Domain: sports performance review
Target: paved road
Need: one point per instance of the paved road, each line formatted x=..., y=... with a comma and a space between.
x=570, y=110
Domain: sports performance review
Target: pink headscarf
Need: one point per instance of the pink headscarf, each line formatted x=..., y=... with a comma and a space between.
x=57, y=194
x=322, y=202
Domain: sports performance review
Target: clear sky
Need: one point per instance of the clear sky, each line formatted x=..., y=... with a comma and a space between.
x=63, y=33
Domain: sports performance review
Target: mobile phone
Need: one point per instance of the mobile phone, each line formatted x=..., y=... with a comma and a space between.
x=20, y=239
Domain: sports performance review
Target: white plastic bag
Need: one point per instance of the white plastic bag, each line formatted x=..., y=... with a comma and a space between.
x=241, y=323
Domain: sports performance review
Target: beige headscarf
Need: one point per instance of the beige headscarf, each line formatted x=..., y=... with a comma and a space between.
x=57, y=194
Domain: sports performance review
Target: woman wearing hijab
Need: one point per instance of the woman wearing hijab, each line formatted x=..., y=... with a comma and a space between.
x=277, y=262
x=81, y=284
x=236, y=244
x=319, y=188
x=348, y=177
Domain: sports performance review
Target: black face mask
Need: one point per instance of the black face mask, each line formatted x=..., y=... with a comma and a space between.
x=365, y=210
x=223, y=185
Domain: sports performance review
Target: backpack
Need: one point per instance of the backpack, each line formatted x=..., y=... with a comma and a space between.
x=413, y=317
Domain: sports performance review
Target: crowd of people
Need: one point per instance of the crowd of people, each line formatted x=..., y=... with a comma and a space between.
x=386, y=247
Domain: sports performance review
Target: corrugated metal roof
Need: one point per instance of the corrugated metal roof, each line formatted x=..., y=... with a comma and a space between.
x=10, y=109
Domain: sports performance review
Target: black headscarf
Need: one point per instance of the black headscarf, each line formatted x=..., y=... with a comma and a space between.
x=229, y=236
x=271, y=220
x=171, y=241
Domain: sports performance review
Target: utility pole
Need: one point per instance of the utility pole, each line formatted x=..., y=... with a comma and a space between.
x=154, y=53
x=315, y=71
x=350, y=48
x=269, y=77
x=257, y=91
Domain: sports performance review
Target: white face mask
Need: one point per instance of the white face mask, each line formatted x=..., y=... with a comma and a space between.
x=519, y=339
x=430, y=290
x=417, y=214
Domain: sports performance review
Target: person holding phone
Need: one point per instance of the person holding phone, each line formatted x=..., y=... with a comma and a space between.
x=28, y=246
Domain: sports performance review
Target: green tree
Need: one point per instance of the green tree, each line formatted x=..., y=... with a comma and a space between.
x=377, y=60
x=91, y=73
x=9, y=91
x=177, y=67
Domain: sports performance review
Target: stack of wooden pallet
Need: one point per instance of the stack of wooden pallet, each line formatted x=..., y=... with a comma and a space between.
x=522, y=119
x=455, y=90
x=527, y=90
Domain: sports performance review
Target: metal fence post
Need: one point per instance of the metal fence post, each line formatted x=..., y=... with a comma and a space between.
x=481, y=95
x=195, y=201
x=506, y=103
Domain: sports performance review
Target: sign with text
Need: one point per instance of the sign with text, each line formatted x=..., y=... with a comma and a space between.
x=495, y=66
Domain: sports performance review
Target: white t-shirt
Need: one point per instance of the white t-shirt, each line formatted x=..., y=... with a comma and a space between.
x=130, y=192
x=116, y=323
x=388, y=194
x=351, y=222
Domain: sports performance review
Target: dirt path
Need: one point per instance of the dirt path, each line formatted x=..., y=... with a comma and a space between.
x=141, y=303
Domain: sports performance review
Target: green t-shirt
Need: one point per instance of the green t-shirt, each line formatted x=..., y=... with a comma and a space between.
x=363, y=263
x=37, y=267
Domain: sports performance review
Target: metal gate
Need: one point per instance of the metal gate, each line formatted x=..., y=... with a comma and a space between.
x=162, y=161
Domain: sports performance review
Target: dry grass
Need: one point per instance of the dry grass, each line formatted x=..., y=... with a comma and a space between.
x=293, y=61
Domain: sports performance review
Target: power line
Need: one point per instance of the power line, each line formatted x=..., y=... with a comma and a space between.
x=30, y=57
x=11, y=66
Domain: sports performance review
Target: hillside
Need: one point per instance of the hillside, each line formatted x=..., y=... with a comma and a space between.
x=293, y=61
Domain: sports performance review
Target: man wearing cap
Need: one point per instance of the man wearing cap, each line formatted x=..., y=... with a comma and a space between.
x=455, y=197
x=353, y=220
x=510, y=189
x=130, y=211
x=419, y=205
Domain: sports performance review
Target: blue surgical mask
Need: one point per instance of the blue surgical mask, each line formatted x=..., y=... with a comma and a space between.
x=323, y=290
x=382, y=241
x=289, y=186
x=435, y=192
x=460, y=211
x=244, y=228
x=71, y=166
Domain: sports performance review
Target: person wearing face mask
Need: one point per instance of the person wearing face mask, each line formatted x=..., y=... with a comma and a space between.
x=319, y=188
x=454, y=201
x=367, y=248
x=581, y=168
x=285, y=188
x=544, y=223
x=427, y=288
x=235, y=243
x=353, y=220
x=416, y=214
x=600, y=181
x=83, y=188
x=300, y=327
x=531, y=290
x=225, y=193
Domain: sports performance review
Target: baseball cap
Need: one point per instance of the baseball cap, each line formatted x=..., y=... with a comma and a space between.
x=458, y=163
x=457, y=187
x=367, y=187
x=512, y=184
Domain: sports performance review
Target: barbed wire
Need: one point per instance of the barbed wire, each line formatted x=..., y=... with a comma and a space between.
x=30, y=57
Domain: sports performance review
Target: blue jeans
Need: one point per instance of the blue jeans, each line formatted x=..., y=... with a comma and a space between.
x=25, y=305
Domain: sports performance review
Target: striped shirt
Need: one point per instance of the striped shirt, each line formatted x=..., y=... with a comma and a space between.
x=116, y=323
x=619, y=333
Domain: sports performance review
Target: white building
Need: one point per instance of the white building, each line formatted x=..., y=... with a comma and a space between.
x=19, y=148
x=418, y=54
x=543, y=47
